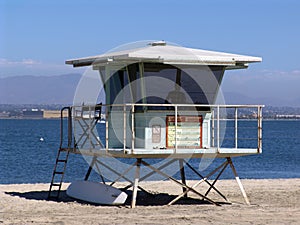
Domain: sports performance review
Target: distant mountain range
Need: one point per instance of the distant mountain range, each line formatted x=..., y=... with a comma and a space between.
x=38, y=89
x=60, y=90
x=238, y=98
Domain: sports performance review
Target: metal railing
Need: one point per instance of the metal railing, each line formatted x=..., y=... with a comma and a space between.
x=253, y=114
x=230, y=126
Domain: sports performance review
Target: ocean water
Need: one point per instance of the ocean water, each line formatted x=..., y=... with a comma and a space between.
x=26, y=159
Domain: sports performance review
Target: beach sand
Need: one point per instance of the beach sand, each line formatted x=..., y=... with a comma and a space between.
x=274, y=201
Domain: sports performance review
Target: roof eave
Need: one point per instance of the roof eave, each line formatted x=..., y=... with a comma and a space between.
x=235, y=61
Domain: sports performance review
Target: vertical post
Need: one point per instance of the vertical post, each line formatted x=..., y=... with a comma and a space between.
x=218, y=128
x=124, y=127
x=132, y=128
x=106, y=127
x=90, y=127
x=90, y=168
x=213, y=128
x=238, y=181
x=176, y=128
x=69, y=127
x=136, y=182
x=259, y=132
x=182, y=174
x=236, y=127
x=61, y=127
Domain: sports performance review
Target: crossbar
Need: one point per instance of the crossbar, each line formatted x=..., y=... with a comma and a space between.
x=186, y=188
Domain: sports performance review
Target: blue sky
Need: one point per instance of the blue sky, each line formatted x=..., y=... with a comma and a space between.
x=36, y=37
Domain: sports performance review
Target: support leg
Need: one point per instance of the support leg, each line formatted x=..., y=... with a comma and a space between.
x=214, y=182
x=90, y=168
x=223, y=166
x=99, y=172
x=182, y=174
x=136, y=183
x=178, y=182
x=238, y=181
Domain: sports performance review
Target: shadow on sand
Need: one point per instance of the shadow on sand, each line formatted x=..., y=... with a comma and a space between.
x=143, y=199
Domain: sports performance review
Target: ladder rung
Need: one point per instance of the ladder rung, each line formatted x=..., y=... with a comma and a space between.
x=56, y=185
x=58, y=172
x=61, y=160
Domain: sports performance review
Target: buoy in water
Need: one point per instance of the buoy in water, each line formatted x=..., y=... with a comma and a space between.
x=41, y=139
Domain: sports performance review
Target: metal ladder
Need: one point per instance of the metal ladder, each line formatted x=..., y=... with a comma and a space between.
x=62, y=156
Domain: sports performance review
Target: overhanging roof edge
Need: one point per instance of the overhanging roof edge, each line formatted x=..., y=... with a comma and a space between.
x=171, y=55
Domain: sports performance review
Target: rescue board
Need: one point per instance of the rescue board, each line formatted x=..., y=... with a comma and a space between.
x=96, y=192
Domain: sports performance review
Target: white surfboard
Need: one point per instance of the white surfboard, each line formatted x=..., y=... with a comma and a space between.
x=96, y=192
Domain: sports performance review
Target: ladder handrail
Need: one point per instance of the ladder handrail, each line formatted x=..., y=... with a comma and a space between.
x=59, y=159
x=69, y=110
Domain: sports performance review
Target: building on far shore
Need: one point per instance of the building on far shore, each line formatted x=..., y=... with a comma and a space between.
x=33, y=114
x=49, y=114
x=285, y=116
x=4, y=114
x=42, y=114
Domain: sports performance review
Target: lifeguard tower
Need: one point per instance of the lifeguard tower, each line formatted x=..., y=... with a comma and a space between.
x=161, y=102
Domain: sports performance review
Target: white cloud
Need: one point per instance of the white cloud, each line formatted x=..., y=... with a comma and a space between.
x=296, y=72
x=6, y=62
x=34, y=67
x=29, y=62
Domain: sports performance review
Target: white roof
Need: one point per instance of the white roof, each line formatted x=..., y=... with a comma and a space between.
x=169, y=54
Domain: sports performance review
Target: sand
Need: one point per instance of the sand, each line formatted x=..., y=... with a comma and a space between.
x=272, y=202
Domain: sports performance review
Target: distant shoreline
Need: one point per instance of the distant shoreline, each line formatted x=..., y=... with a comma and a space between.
x=240, y=119
x=21, y=118
x=15, y=111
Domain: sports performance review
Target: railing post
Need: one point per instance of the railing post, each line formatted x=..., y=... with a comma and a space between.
x=61, y=127
x=132, y=128
x=90, y=128
x=106, y=128
x=213, y=127
x=69, y=127
x=236, y=127
x=175, y=128
x=124, y=127
x=259, y=131
x=218, y=128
